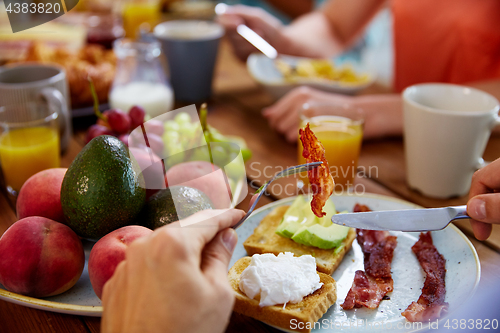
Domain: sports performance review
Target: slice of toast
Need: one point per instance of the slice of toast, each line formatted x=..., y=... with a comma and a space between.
x=299, y=317
x=265, y=240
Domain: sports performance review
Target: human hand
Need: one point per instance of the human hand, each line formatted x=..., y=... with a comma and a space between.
x=484, y=200
x=175, y=280
x=284, y=115
x=382, y=112
x=257, y=19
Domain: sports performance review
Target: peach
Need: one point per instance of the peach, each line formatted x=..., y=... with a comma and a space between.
x=109, y=251
x=40, y=257
x=41, y=195
x=204, y=176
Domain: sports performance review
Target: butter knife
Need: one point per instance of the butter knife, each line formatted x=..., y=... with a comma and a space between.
x=403, y=220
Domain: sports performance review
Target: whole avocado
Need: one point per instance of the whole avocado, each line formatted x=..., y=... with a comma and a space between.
x=101, y=190
x=161, y=210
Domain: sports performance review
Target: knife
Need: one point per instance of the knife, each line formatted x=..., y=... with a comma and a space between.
x=251, y=36
x=403, y=220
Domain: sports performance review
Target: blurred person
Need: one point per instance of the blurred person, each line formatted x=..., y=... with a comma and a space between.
x=284, y=10
x=450, y=41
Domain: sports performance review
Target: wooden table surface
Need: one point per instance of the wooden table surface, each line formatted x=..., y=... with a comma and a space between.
x=235, y=110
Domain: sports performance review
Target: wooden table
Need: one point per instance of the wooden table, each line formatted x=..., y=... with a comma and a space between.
x=235, y=110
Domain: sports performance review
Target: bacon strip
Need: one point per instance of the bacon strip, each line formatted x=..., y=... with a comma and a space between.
x=370, y=286
x=430, y=304
x=320, y=178
x=359, y=208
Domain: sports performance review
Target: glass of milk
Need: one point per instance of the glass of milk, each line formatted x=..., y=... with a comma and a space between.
x=140, y=79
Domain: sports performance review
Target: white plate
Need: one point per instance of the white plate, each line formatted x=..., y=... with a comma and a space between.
x=462, y=265
x=264, y=71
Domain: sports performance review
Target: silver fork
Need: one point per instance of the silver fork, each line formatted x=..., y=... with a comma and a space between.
x=287, y=172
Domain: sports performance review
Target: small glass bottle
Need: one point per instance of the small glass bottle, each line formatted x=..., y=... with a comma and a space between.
x=140, y=79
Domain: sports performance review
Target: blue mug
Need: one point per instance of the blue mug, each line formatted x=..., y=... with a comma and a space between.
x=191, y=50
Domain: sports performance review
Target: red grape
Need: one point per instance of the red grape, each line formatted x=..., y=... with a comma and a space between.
x=96, y=130
x=124, y=138
x=118, y=120
x=136, y=114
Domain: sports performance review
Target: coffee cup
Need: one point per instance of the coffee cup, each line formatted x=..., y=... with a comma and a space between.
x=191, y=50
x=446, y=129
x=22, y=84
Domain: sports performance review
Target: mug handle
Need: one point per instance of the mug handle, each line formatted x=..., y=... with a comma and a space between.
x=481, y=163
x=56, y=100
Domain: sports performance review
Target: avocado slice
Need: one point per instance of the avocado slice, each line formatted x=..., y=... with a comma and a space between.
x=320, y=236
x=300, y=214
x=330, y=211
x=293, y=218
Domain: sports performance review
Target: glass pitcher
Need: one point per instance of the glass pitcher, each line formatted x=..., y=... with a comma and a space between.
x=140, y=79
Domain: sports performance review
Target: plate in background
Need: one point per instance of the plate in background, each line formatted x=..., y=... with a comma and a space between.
x=265, y=72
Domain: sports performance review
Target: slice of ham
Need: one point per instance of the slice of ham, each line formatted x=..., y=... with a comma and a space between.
x=430, y=304
x=320, y=178
x=370, y=286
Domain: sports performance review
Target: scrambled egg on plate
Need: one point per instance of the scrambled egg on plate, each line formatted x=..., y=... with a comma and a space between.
x=320, y=69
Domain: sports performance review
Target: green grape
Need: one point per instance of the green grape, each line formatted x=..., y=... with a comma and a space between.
x=240, y=142
x=175, y=149
x=235, y=169
x=186, y=131
x=200, y=154
x=171, y=126
x=171, y=136
x=182, y=118
x=246, y=154
x=219, y=155
x=232, y=156
x=217, y=137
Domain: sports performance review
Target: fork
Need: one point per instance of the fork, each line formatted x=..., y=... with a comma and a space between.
x=285, y=173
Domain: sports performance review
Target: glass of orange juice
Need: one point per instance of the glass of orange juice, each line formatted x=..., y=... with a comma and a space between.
x=140, y=14
x=339, y=127
x=29, y=142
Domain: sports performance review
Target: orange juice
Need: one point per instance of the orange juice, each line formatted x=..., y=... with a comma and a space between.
x=342, y=139
x=137, y=13
x=26, y=151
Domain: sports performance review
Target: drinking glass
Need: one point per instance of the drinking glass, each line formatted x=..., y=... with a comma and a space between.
x=29, y=142
x=339, y=127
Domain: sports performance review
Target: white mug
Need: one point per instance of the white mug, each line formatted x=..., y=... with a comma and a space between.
x=446, y=129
